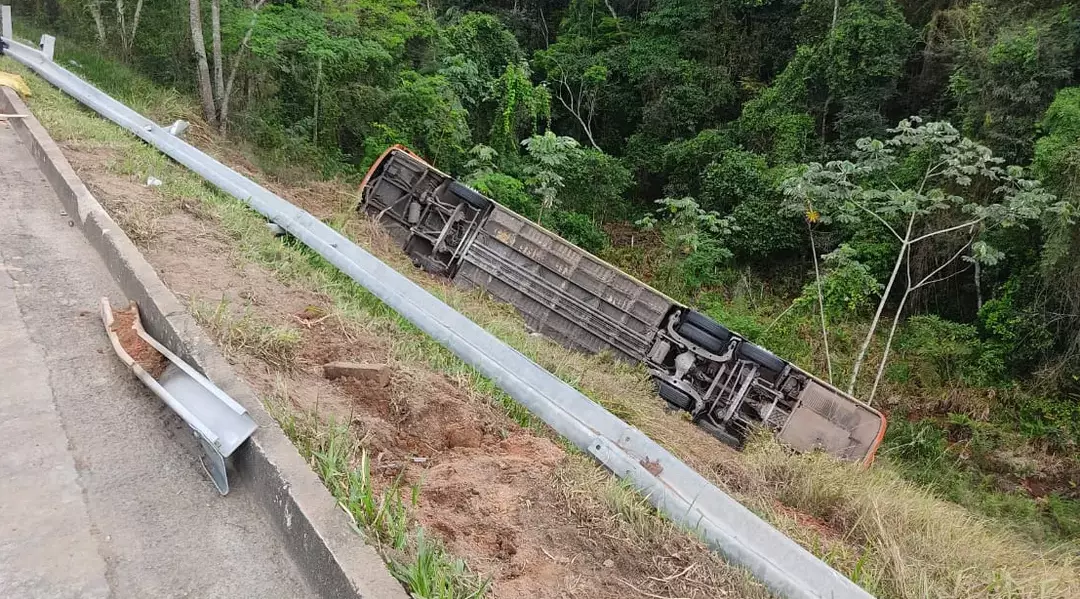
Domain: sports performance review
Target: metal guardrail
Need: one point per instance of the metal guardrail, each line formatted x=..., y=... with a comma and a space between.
x=673, y=487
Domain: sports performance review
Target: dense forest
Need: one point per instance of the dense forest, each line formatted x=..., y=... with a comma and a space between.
x=880, y=190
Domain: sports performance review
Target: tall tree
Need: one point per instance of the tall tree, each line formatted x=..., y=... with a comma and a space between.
x=202, y=68
x=127, y=36
x=215, y=42
x=234, y=67
x=94, y=7
x=961, y=190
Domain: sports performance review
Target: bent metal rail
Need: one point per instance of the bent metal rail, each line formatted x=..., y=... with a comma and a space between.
x=669, y=484
x=727, y=383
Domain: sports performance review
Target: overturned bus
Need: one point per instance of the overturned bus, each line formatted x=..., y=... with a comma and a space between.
x=728, y=384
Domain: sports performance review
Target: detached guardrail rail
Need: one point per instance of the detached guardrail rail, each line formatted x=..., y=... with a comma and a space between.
x=670, y=485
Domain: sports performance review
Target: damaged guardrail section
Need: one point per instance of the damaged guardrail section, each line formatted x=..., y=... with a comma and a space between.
x=673, y=487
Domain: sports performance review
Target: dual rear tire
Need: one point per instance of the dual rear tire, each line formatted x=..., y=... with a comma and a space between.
x=674, y=396
x=704, y=332
x=469, y=195
x=680, y=400
x=714, y=337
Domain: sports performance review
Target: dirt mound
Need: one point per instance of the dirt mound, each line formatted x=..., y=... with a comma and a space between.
x=142, y=352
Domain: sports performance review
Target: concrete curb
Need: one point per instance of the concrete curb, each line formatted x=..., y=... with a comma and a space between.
x=317, y=535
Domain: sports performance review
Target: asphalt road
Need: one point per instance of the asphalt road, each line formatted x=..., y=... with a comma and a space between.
x=102, y=493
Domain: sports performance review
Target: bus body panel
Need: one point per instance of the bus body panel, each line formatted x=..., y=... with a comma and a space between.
x=824, y=420
x=563, y=292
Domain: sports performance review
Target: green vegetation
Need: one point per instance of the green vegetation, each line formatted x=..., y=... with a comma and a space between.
x=418, y=561
x=589, y=116
x=245, y=334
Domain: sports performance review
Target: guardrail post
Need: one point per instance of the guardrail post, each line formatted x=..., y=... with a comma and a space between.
x=48, y=42
x=5, y=17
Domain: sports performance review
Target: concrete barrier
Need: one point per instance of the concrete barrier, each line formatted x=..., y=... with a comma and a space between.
x=317, y=534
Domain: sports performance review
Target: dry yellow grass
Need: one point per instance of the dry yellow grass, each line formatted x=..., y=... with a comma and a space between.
x=916, y=545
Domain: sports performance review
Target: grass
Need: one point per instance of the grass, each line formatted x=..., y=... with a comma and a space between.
x=916, y=545
x=967, y=442
x=247, y=333
x=888, y=534
x=966, y=472
x=421, y=563
x=416, y=559
x=960, y=441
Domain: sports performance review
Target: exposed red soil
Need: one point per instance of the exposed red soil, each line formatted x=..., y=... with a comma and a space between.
x=142, y=352
x=1067, y=485
x=826, y=531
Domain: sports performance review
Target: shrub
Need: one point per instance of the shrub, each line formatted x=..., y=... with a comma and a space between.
x=508, y=191
x=578, y=229
x=695, y=243
x=1017, y=326
x=594, y=184
x=848, y=288
x=684, y=161
x=735, y=177
x=764, y=231
x=1053, y=421
x=941, y=351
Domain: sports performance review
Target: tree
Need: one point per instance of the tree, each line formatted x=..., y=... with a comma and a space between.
x=520, y=106
x=202, y=68
x=596, y=184
x=425, y=110
x=548, y=153
x=127, y=36
x=214, y=93
x=234, y=67
x=924, y=185
x=695, y=240
x=94, y=7
x=1057, y=162
x=576, y=88
x=575, y=65
x=840, y=79
x=1006, y=70
x=476, y=50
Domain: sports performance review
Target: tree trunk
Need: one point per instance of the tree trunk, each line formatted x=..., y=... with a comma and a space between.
x=99, y=24
x=215, y=44
x=234, y=66
x=120, y=24
x=587, y=129
x=135, y=24
x=877, y=318
x=821, y=304
x=202, y=70
x=978, y=286
x=574, y=108
x=888, y=347
x=614, y=16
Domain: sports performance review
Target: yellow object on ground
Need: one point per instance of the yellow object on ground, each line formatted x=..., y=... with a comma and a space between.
x=15, y=82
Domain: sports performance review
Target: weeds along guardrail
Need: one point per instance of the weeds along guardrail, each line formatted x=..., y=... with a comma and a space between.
x=671, y=486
